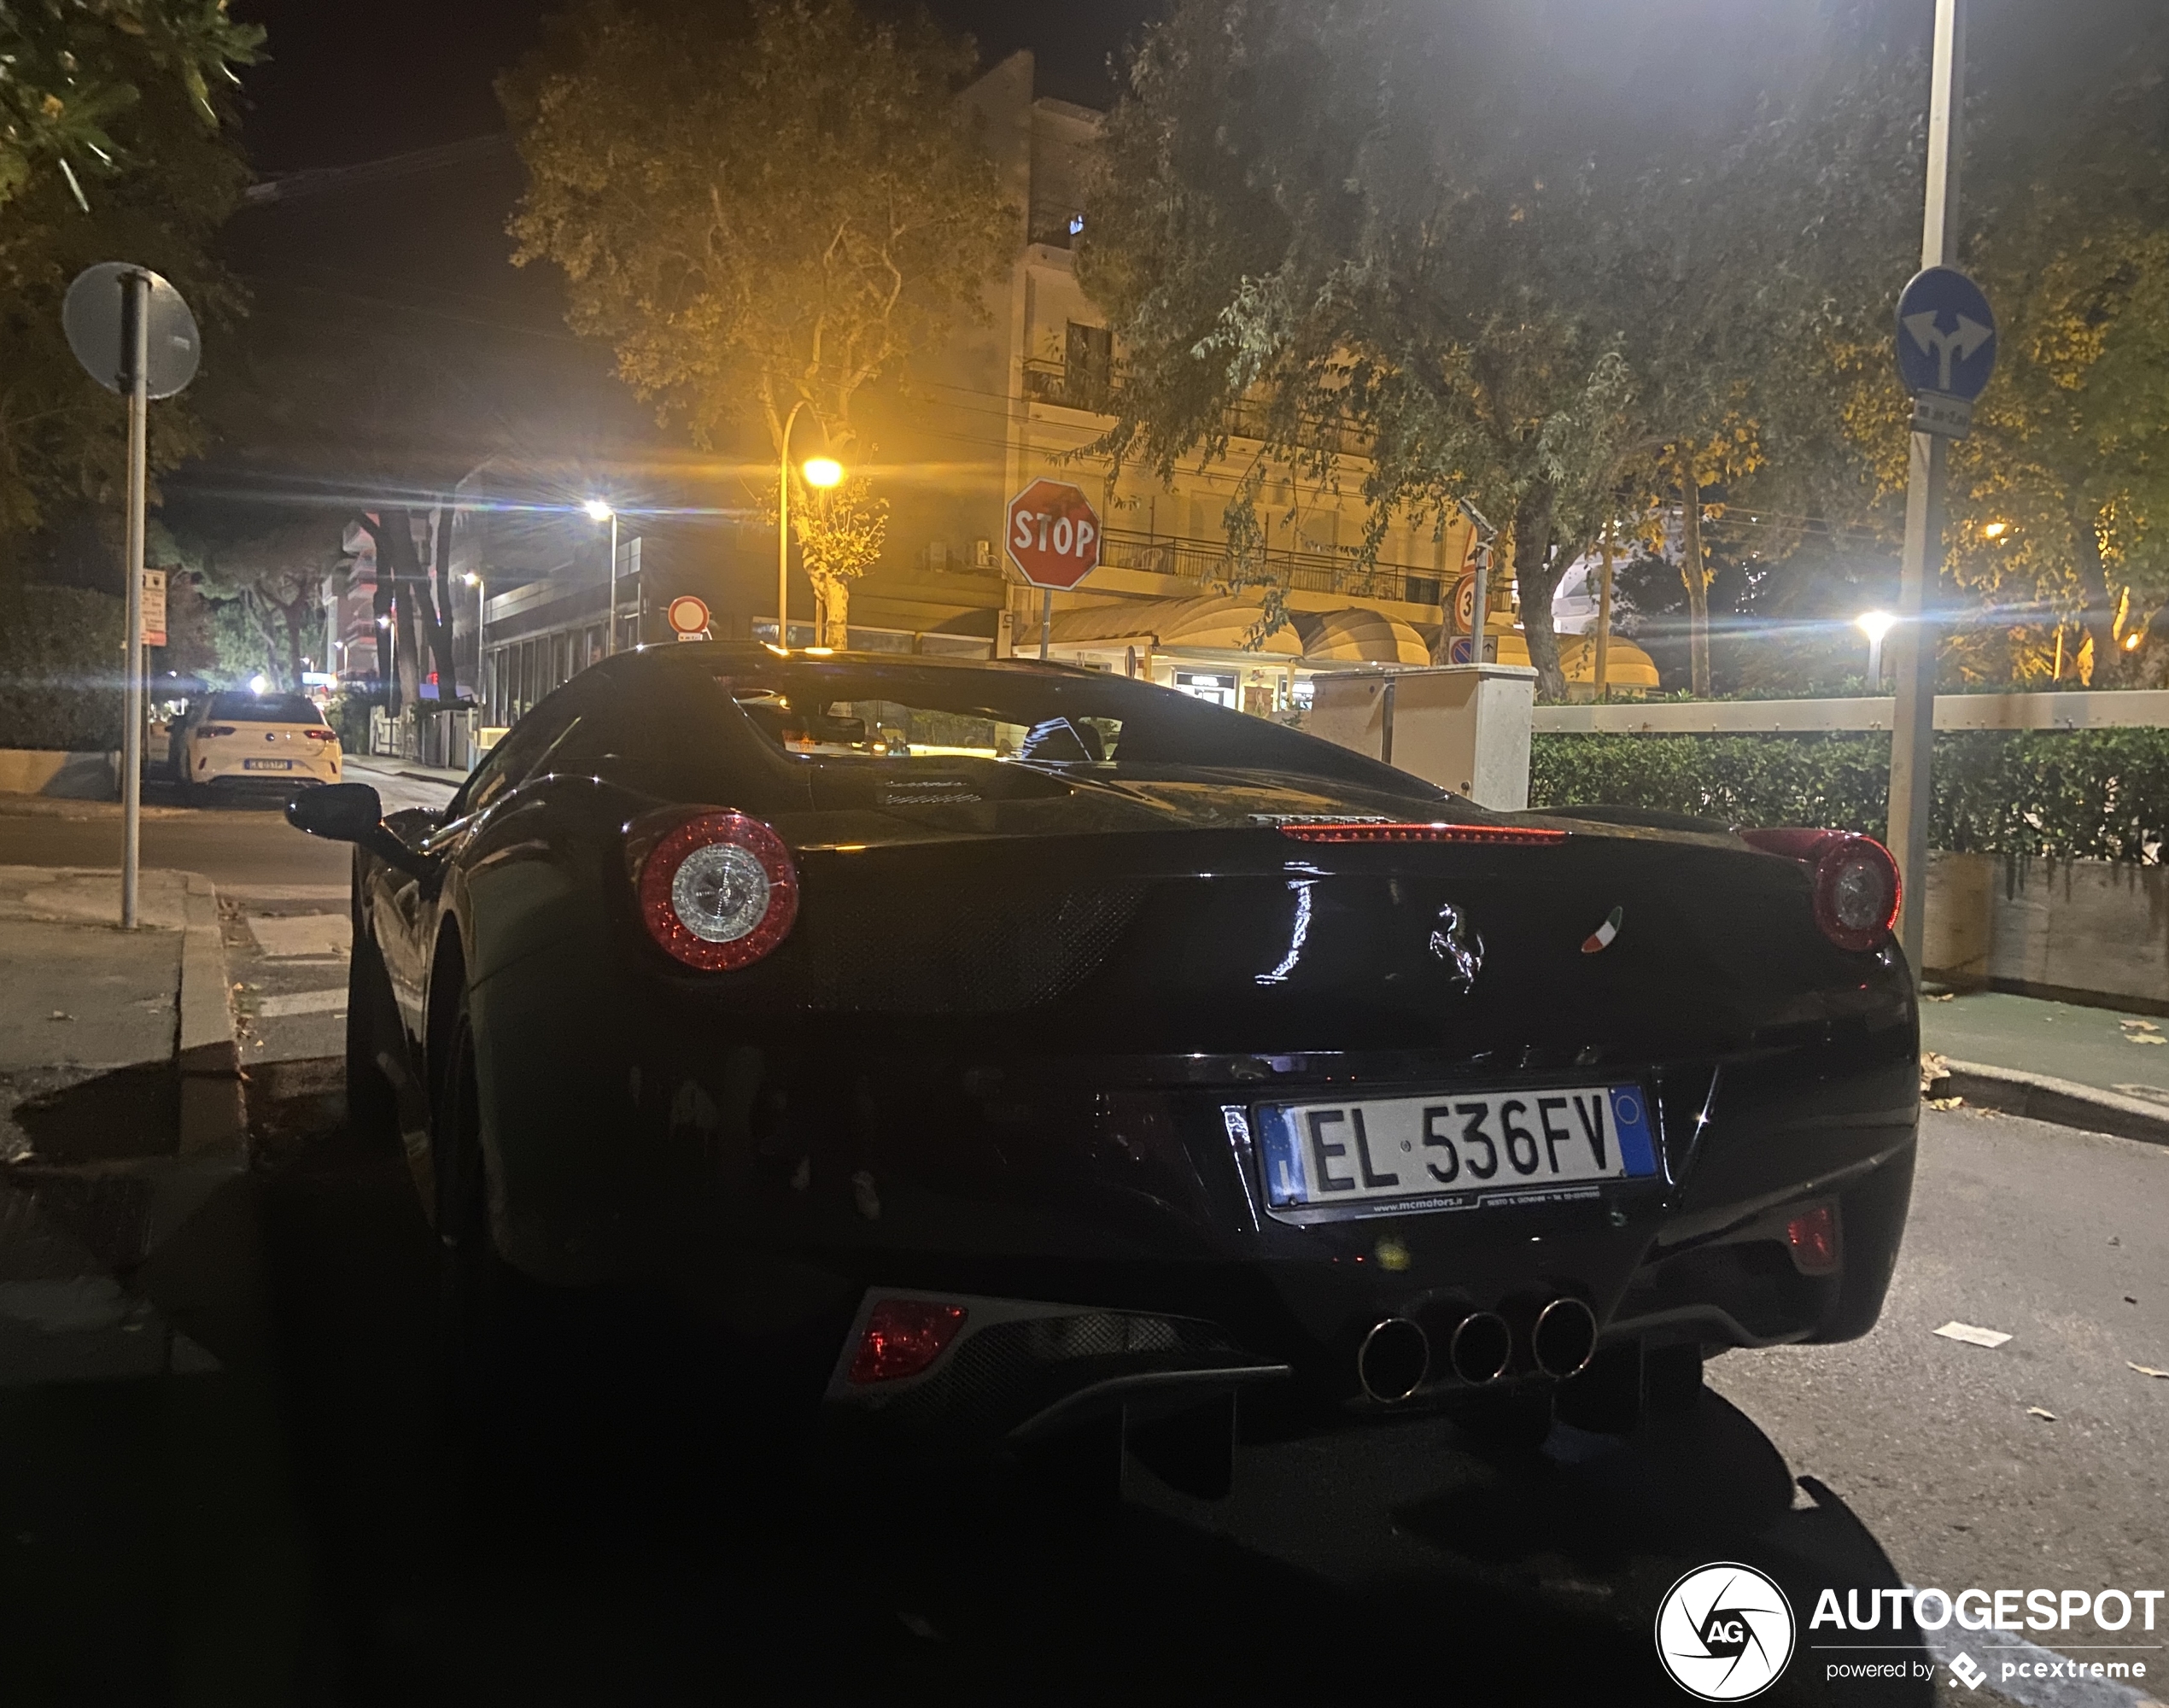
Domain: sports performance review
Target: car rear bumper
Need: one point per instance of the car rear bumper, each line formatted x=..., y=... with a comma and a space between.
x=233, y=773
x=1132, y=1217
x=772, y=1177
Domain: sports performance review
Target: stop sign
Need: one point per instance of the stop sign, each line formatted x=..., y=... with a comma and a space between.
x=1054, y=537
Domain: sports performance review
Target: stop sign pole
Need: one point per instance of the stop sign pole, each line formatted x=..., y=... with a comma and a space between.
x=1054, y=540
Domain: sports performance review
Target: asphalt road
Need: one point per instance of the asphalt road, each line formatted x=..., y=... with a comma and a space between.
x=316, y=1540
x=234, y=846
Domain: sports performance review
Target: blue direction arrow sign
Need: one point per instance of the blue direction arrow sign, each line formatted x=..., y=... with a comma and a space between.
x=1946, y=335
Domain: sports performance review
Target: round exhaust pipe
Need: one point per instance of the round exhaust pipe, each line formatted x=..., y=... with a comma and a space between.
x=1564, y=1336
x=1394, y=1359
x=1481, y=1347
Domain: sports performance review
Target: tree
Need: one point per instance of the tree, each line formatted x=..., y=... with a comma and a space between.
x=418, y=600
x=76, y=74
x=1458, y=244
x=841, y=538
x=172, y=182
x=2055, y=499
x=263, y=574
x=763, y=210
x=2062, y=491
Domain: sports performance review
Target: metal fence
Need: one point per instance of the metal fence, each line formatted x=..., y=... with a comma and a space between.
x=1207, y=560
x=1093, y=389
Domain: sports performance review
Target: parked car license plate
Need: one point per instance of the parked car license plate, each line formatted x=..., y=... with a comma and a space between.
x=1453, y=1149
x=267, y=764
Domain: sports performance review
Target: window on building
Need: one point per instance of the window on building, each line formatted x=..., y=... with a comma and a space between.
x=1088, y=360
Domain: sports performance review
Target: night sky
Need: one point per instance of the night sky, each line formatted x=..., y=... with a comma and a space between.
x=349, y=82
x=416, y=260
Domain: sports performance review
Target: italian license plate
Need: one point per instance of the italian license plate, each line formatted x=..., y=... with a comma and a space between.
x=1454, y=1150
x=267, y=764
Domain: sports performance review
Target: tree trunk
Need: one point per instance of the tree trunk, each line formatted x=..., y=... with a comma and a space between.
x=833, y=610
x=1697, y=576
x=439, y=602
x=396, y=570
x=2098, y=618
x=296, y=616
x=1536, y=578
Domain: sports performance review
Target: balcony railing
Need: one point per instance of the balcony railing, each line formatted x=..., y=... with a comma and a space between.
x=1047, y=380
x=1207, y=560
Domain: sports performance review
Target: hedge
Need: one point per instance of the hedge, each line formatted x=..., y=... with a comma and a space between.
x=60, y=668
x=2100, y=794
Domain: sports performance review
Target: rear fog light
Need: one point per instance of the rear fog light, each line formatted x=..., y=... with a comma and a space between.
x=902, y=1337
x=1812, y=1237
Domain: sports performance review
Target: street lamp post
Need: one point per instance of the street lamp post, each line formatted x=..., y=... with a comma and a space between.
x=482, y=634
x=599, y=510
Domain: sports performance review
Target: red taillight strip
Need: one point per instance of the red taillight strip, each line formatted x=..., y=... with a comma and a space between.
x=1521, y=836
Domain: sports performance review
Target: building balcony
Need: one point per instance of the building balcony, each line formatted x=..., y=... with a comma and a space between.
x=1205, y=561
x=1093, y=386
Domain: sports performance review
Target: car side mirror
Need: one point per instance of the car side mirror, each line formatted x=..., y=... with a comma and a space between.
x=342, y=812
x=354, y=812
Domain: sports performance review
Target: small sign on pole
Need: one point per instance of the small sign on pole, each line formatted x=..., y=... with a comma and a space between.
x=1053, y=540
x=1946, y=349
x=1464, y=603
x=153, y=607
x=689, y=617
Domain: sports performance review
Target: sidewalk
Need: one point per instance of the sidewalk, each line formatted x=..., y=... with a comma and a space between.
x=121, y=1111
x=370, y=767
x=2096, y=1068
x=154, y=1550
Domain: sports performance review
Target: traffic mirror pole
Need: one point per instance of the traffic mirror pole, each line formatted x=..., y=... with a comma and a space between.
x=1913, y=638
x=136, y=343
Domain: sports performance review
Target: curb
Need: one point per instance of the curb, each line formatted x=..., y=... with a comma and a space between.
x=2065, y=1101
x=206, y=1050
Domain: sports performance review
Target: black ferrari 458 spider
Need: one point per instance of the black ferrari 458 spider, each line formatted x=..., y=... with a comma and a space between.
x=1014, y=1051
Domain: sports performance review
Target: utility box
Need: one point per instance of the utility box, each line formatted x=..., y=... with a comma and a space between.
x=1463, y=727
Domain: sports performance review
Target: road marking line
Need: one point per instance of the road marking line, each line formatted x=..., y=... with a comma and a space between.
x=304, y=1002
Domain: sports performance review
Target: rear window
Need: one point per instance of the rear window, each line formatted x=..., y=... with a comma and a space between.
x=846, y=712
x=247, y=708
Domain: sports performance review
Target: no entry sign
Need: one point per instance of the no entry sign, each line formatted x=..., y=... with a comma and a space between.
x=1054, y=536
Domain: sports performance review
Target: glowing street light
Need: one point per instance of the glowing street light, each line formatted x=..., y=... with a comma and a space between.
x=822, y=472
x=599, y=510
x=1995, y=531
x=1875, y=624
x=259, y=684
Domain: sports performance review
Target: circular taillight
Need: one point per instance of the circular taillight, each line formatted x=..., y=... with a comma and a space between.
x=719, y=891
x=1855, y=891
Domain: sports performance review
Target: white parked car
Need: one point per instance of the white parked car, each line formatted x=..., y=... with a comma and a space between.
x=233, y=740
